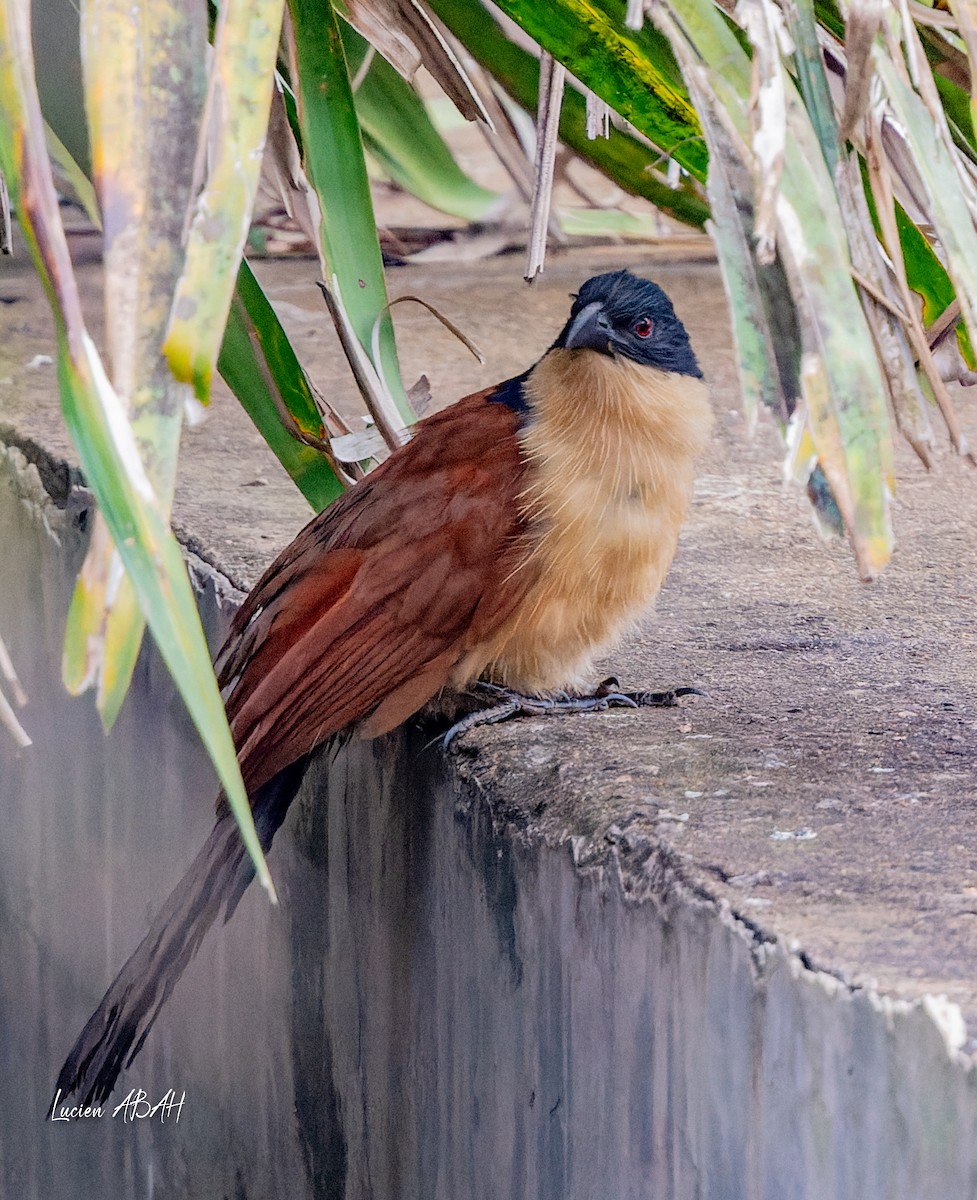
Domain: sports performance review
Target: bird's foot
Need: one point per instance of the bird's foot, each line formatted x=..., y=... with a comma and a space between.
x=505, y=703
x=667, y=699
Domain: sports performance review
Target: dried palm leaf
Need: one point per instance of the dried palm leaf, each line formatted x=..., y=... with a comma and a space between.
x=407, y=36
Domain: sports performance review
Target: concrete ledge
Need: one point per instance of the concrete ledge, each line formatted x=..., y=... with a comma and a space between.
x=528, y=1027
x=584, y=959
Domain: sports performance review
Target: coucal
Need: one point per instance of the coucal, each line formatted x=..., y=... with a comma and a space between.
x=509, y=540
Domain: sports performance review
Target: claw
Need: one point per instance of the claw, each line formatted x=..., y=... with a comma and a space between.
x=667, y=699
x=606, y=695
x=484, y=716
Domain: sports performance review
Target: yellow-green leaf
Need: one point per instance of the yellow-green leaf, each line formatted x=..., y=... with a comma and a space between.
x=238, y=102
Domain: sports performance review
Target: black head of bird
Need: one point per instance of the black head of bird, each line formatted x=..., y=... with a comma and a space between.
x=621, y=314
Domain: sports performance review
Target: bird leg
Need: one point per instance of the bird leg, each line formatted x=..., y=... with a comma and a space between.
x=505, y=703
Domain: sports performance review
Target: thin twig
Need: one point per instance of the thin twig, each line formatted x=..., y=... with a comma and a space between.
x=665, y=158
x=6, y=228
x=7, y=717
x=371, y=386
x=364, y=69
x=934, y=17
x=445, y=321
x=8, y=672
x=551, y=78
x=946, y=321
x=879, y=297
x=507, y=146
x=914, y=51
x=9, y=721
x=598, y=117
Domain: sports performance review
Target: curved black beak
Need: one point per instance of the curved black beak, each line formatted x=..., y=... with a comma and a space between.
x=590, y=329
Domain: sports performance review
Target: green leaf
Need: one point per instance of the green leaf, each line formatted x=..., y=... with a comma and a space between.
x=122, y=639
x=104, y=629
x=632, y=70
x=625, y=159
x=607, y=222
x=927, y=275
x=72, y=174
x=259, y=365
x=152, y=558
x=956, y=105
x=336, y=168
x=241, y=78
x=811, y=79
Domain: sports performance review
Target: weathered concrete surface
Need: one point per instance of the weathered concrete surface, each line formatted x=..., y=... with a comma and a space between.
x=470, y=1012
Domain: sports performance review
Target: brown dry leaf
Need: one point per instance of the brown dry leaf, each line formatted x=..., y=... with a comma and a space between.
x=882, y=190
x=963, y=15
x=419, y=396
x=861, y=29
x=886, y=319
x=352, y=448
x=504, y=140
x=407, y=36
x=281, y=170
x=951, y=364
x=945, y=346
x=465, y=245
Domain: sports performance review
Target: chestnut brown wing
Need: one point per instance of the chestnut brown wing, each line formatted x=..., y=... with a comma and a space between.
x=363, y=616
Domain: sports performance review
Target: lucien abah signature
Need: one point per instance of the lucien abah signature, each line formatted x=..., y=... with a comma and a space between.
x=135, y=1107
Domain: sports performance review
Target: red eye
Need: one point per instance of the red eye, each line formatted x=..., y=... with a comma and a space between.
x=643, y=327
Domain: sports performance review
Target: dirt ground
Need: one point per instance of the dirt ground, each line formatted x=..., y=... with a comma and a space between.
x=824, y=785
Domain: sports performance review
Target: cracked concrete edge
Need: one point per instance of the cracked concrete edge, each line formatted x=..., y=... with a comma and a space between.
x=646, y=872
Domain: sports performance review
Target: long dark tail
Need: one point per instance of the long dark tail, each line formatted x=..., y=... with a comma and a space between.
x=218, y=878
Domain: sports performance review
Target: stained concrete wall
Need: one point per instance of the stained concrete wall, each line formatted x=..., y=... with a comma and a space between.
x=445, y=1005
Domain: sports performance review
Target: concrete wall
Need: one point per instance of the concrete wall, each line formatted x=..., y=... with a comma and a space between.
x=444, y=1006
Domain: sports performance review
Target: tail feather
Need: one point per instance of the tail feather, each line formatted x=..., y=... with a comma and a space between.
x=217, y=879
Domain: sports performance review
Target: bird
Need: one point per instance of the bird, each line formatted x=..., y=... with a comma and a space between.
x=501, y=548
